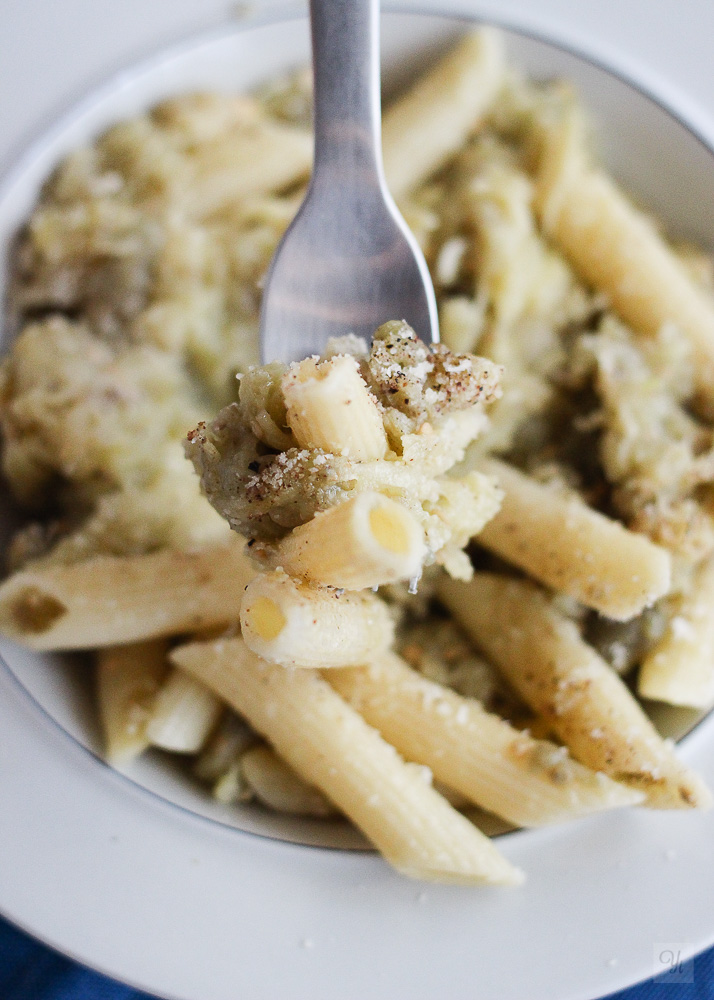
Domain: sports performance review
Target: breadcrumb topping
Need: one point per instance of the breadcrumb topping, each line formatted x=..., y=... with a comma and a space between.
x=426, y=381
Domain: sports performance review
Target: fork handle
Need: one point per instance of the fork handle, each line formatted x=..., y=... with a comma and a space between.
x=345, y=57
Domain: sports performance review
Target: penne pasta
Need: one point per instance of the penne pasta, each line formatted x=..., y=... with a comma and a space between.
x=679, y=669
x=364, y=542
x=617, y=249
x=128, y=679
x=330, y=407
x=433, y=119
x=529, y=782
x=184, y=715
x=277, y=786
x=331, y=746
x=568, y=546
x=543, y=656
x=300, y=626
x=461, y=323
x=260, y=158
x=109, y=600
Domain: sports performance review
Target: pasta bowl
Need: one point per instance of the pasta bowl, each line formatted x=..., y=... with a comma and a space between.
x=240, y=910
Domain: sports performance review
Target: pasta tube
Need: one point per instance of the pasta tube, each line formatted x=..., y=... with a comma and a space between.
x=331, y=746
x=277, y=786
x=679, y=669
x=617, y=249
x=261, y=158
x=184, y=715
x=364, y=542
x=566, y=545
x=128, y=679
x=562, y=678
x=109, y=600
x=329, y=406
x=299, y=626
x=422, y=129
x=526, y=781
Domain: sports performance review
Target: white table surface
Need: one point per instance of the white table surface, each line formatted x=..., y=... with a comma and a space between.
x=51, y=51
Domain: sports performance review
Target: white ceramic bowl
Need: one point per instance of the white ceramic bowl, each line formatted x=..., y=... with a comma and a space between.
x=145, y=877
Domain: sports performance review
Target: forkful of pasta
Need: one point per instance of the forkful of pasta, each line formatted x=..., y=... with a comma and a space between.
x=348, y=262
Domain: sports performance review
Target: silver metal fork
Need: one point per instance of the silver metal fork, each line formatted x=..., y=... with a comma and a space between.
x=348, y=261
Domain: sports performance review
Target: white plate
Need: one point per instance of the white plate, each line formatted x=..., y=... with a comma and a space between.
x=145, y=880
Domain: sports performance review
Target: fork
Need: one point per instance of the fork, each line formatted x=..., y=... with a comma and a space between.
x=348, y=262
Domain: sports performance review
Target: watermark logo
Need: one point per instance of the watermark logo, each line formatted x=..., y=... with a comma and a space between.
x=668, y=964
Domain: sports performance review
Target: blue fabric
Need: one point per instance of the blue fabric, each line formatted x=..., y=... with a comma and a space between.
x=29, y=971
